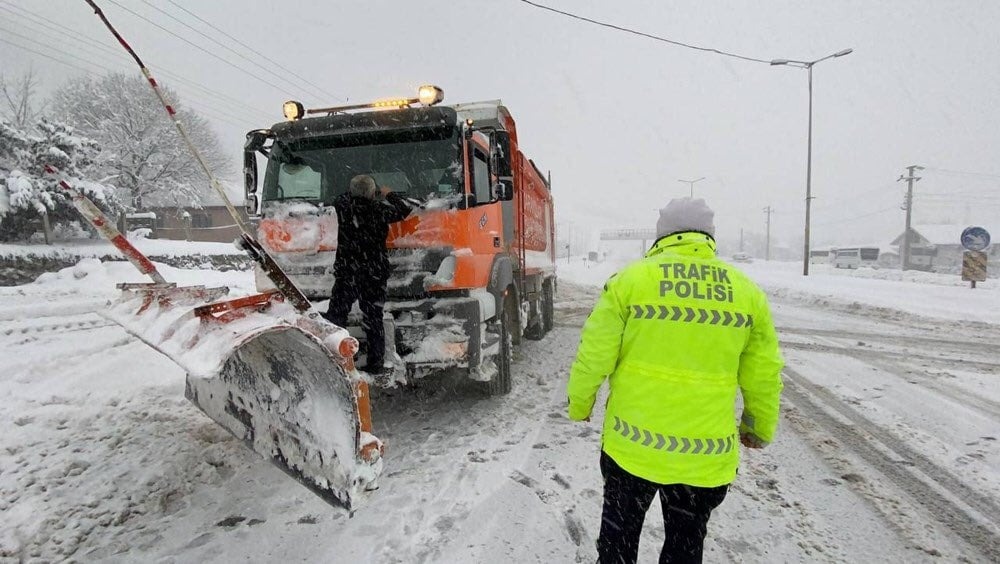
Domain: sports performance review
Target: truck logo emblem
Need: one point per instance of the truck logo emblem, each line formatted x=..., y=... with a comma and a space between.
x=482, y=222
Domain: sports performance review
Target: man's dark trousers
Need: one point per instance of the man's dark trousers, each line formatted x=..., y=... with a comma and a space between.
x=370, y=294
x=686, y=510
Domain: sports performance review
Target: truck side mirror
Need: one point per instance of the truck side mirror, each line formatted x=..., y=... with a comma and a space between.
x=249, y=173
x=503, y=190
x=251, y=205
x=501, y=157
x=256, y=140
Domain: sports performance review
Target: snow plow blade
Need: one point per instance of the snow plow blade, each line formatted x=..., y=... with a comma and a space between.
x=281, y=381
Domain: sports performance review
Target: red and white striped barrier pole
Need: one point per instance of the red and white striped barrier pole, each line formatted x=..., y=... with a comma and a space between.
x=105, y=227
x=248, y=242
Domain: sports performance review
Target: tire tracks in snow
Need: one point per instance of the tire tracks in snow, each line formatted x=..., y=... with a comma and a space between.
x=862, y=352
x=905, y=340
x=28, y=332
x=74, y=356
x=946, y=498
x=49, y=309
x=899, y=363
x=929, y=381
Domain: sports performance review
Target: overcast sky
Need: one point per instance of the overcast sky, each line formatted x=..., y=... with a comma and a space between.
x=615, y=117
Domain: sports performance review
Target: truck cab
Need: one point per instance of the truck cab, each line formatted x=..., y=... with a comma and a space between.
x=473, y=266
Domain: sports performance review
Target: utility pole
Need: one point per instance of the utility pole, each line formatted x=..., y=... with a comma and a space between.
x=767, y=252
x=741, y=239
x=690, y=184
x=569, y=242
x=908, y=206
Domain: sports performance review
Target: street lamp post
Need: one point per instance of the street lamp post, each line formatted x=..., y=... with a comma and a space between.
x=691, y=183
x=808, y=65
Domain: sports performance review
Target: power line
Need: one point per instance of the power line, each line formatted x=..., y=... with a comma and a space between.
x=855, y=218
x=873, y=192
x=220, y=44
x=201, y=100
x=963, y=172
x=647, y=35
x=203, y=110
x=64, y=32
x=111, y=70
x=256, y=52
x=200, y=48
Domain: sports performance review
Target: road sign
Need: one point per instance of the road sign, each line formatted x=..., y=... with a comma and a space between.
x=974, y=267
x=975, y=238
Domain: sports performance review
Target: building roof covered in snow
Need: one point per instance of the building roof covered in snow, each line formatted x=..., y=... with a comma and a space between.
x=940, y=234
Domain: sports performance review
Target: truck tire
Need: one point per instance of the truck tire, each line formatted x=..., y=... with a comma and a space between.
x=501, y=384
x=548, y=306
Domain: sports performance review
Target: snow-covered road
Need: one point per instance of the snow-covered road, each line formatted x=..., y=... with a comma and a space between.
x=888, y=451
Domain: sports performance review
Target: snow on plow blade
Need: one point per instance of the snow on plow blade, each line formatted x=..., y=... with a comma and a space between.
x=281, y=381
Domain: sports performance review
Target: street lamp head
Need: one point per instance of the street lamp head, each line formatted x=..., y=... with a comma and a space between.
x=776, y=62
x=841, y=53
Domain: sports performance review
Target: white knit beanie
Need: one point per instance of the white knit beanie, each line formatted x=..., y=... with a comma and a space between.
x=686, y=214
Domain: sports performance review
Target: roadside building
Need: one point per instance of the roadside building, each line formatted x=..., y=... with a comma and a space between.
x=939, y=247
x=209, y=222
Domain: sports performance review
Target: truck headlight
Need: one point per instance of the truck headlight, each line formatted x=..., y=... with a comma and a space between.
x=430, y=95
x=293, y=110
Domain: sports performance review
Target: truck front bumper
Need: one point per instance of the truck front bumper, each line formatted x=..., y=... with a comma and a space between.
x=435, y=334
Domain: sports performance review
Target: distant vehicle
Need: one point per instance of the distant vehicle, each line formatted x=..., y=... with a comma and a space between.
x=853, y=257
x=742, y=257
x=821, y=256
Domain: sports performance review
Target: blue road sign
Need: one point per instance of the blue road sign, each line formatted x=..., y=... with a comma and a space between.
x=975, y=238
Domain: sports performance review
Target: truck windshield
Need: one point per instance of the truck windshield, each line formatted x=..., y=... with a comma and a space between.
x=423, y=164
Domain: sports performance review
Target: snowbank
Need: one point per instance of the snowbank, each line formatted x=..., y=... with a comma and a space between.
x=924, y=294
x=101, y=248
x=91, y=276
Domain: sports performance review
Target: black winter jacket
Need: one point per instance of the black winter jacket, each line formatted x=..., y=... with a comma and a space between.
x=362, y=228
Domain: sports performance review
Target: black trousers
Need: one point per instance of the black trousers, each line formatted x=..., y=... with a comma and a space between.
x=686, y=510
x=370, y=293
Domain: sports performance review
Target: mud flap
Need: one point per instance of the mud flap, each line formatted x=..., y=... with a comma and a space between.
x=282, y=382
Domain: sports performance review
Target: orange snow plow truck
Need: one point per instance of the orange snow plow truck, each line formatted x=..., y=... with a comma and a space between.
x=473, y=265
x=473, y=274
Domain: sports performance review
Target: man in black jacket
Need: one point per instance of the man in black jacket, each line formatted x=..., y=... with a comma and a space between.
x=362, y=266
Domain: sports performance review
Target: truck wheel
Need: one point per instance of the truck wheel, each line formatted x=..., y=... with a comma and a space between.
x=548, y=306
x=501, y=383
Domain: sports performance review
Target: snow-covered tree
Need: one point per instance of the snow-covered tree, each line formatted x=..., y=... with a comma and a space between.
x=142, y=154
x=27, y=192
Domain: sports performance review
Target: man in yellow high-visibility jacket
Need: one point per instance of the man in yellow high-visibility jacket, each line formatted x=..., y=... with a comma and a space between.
x=676, y=334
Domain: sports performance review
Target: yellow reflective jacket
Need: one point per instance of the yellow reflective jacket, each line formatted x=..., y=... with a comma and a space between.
x=676, y=333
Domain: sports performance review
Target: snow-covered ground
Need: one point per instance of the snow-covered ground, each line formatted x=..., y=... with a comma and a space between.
x=926, y=295
x=888, y=449
x=100, y=248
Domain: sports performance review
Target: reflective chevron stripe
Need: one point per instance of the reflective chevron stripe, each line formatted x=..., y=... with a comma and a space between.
x=667, y=443
x=692, y=315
